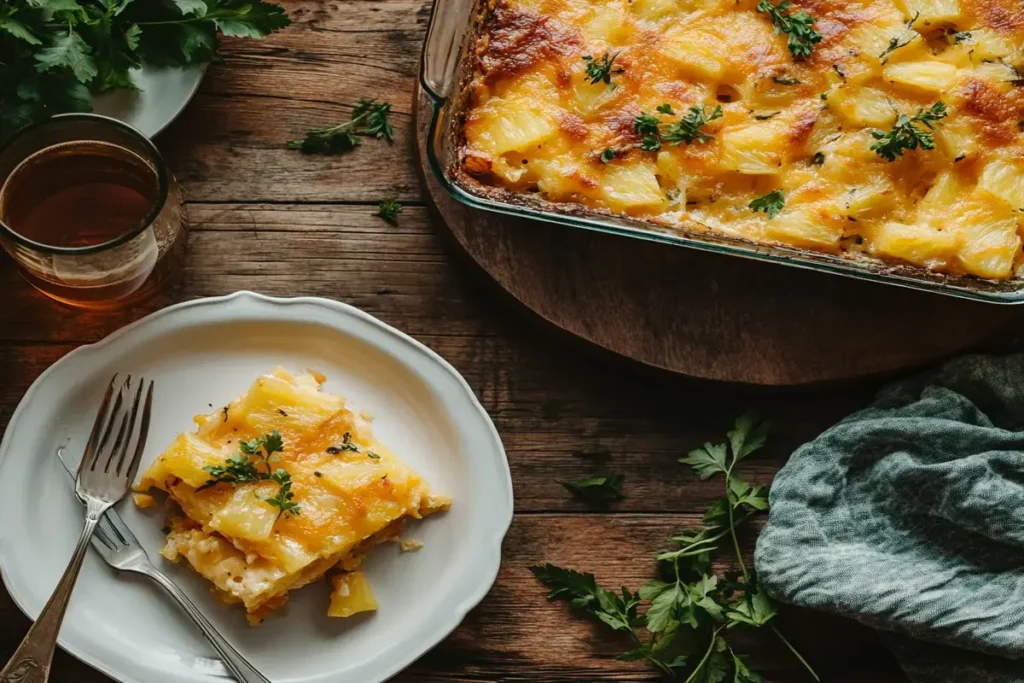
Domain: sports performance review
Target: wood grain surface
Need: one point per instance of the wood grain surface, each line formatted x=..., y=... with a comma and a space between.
x=273, y=221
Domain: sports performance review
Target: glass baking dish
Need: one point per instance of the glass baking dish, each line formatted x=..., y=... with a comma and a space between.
x=446, y=69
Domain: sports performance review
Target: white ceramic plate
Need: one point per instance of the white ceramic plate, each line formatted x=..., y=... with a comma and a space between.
x=162, y=95
x=207, y=352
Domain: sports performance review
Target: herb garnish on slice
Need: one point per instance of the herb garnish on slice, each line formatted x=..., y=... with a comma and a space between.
x=253, y=464
x=653, y=132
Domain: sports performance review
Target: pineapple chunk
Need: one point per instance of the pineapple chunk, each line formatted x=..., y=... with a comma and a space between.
x=753, y=150
x=696, y=52
x=802, y=228
x=610, y=24
x=588, y=98
x=931, y=11
x=869, y=107
x=510, y=125
x=872, y=38
x=988, y=238
x=632, y=188
x=926, y=75
x=987, y=44
x=652, y=10
x=921, y=245
x=941, y=196
x=185, y=459
x=351, y=595
x=957, y=138
x=1005, y=180
x=871, y=200
x=247, y=515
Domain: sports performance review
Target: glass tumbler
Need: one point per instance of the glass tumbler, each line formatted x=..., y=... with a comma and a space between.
x=89, y=211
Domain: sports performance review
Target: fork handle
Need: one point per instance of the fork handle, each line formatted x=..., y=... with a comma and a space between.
x=243, y=671
x=31, y=661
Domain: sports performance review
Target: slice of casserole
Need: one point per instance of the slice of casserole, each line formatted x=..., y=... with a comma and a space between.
x=280, y=486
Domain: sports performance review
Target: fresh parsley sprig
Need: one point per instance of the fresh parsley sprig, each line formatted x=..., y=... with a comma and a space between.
x=907, y=135
x=798, y=26
x=654, y=132
x=905, y=38
x=677, y=622
x=389, y=210
x=601, y=70
x=283, y=500
x=772, y=203
x=597, y=491
x=369, y=119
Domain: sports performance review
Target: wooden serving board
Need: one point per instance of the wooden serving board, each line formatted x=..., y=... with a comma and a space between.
x=706, y=315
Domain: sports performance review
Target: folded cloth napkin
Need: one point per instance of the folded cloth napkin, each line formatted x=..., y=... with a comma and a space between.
x=909, y=517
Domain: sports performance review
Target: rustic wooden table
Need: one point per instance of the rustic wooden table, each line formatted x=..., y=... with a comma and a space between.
x=271, y=220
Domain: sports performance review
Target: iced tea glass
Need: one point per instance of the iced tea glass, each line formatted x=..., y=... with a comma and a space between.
x=89, y=211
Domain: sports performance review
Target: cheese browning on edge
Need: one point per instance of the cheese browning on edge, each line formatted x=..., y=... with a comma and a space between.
x=536, y=124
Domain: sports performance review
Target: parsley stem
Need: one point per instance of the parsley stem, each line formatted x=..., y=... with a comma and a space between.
x=704, y=659
x=732, y=524
x=792, y=649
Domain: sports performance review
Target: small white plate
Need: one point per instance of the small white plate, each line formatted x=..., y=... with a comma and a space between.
x=207, y=352
x=162, y=95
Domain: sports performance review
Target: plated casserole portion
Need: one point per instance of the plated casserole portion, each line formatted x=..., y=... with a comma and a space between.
x=281, y=486
x=890, y=130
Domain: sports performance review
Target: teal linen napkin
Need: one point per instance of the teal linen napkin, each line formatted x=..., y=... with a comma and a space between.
x=909, y=517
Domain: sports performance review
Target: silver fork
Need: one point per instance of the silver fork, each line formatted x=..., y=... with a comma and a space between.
x=103, y=479
x=119, y=548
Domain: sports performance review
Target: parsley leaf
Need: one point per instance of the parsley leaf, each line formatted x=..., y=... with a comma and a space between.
x=688, y=128
x=369, y=119
x=607, y=155
x=771, y=203
x=962, y=37
x=649, y=129
x=907, y=135
x=389, y=210
x=601, y=70
x=597, y=491
x=799, y=27
x=283, y=500
x=689, y=608
x=68, y=50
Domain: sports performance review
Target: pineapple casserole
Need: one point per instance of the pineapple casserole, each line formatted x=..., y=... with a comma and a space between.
x=890, y=130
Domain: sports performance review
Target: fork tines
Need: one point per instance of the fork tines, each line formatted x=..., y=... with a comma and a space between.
x=96, y=452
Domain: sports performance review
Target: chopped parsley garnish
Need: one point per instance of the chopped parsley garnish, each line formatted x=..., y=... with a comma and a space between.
x=771, y=203
x=601, y=70
x=597, y=491
x=785, y=80
x=283, y=500
x=372, y=456
x=799, y=27
x=346, y=445
x=369, y=119
x=902, y=40
x=907, y=135
x=687, y=129
x=253, y=465
x=818, y=159
x=607, y=155
x=224, y=411
x=389, y=210
x=962, y=37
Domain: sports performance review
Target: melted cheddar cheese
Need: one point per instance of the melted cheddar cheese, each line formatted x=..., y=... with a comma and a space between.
x=352, y=493
x=536, y=123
